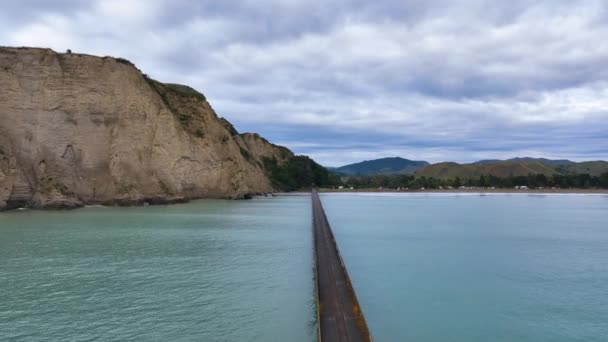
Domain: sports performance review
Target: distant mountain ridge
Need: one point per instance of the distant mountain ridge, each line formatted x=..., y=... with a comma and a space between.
x=519, y=166
x=528, y=159
x=513, y=167
x=382, y=166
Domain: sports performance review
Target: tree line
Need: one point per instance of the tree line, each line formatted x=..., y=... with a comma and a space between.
x=301, y=172
x=578, y=181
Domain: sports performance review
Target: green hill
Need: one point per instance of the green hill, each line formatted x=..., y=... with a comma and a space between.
x=512, y=167
x=383, y=166
x=593, y=168
x=553, y=162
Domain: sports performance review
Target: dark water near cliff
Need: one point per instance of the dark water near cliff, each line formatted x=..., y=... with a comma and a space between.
x=464, y=268
x=203, y=271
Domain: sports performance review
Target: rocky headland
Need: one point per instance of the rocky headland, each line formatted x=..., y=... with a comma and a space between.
x=78, y=129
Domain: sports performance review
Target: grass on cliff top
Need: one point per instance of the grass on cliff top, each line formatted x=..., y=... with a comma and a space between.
x=180, y=89
x=185, y=90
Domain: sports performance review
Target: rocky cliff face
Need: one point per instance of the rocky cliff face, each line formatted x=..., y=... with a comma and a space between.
x=78, y=129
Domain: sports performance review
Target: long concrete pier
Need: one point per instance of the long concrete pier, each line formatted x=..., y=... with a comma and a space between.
x=340, y=315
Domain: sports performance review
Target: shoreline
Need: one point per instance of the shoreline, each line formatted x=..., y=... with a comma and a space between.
x=180, y=200
x=473, y=191
x=68, y=205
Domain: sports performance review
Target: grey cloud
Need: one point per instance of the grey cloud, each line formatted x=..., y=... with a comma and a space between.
x=450, y=79
x=18, y=13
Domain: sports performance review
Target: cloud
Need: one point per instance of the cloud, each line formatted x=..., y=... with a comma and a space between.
x=344, y=80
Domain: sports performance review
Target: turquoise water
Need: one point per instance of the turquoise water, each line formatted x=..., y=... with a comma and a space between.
x=445, y=267
x=202, y=271
x=426, y=267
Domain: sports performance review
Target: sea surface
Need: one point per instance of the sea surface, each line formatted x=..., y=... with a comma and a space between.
x=202, y=271
x=426, y=267
x=465, y=267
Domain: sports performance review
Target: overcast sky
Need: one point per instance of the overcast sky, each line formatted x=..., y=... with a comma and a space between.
x=344, y=81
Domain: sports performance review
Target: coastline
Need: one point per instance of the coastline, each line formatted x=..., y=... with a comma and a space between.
x=473, y=191
x=178, y=200
x=64, y=205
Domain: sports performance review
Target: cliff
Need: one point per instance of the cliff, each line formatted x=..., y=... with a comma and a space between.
x=78, y=129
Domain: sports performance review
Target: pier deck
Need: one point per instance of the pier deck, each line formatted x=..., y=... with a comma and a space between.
x=340, y=315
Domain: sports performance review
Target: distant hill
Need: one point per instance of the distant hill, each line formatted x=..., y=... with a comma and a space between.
x=383, y=166
x=513, y=167
x=593, y=168
x=528, y=160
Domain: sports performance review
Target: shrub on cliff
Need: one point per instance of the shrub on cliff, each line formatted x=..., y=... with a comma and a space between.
x=185, y=90
x=299, y=172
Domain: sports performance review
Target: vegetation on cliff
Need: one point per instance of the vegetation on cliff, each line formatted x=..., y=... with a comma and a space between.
x=299, y=172
x=185, y=90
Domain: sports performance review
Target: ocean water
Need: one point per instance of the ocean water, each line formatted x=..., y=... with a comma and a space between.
x=202, y=271
x=426, y=267
x=447, y=267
